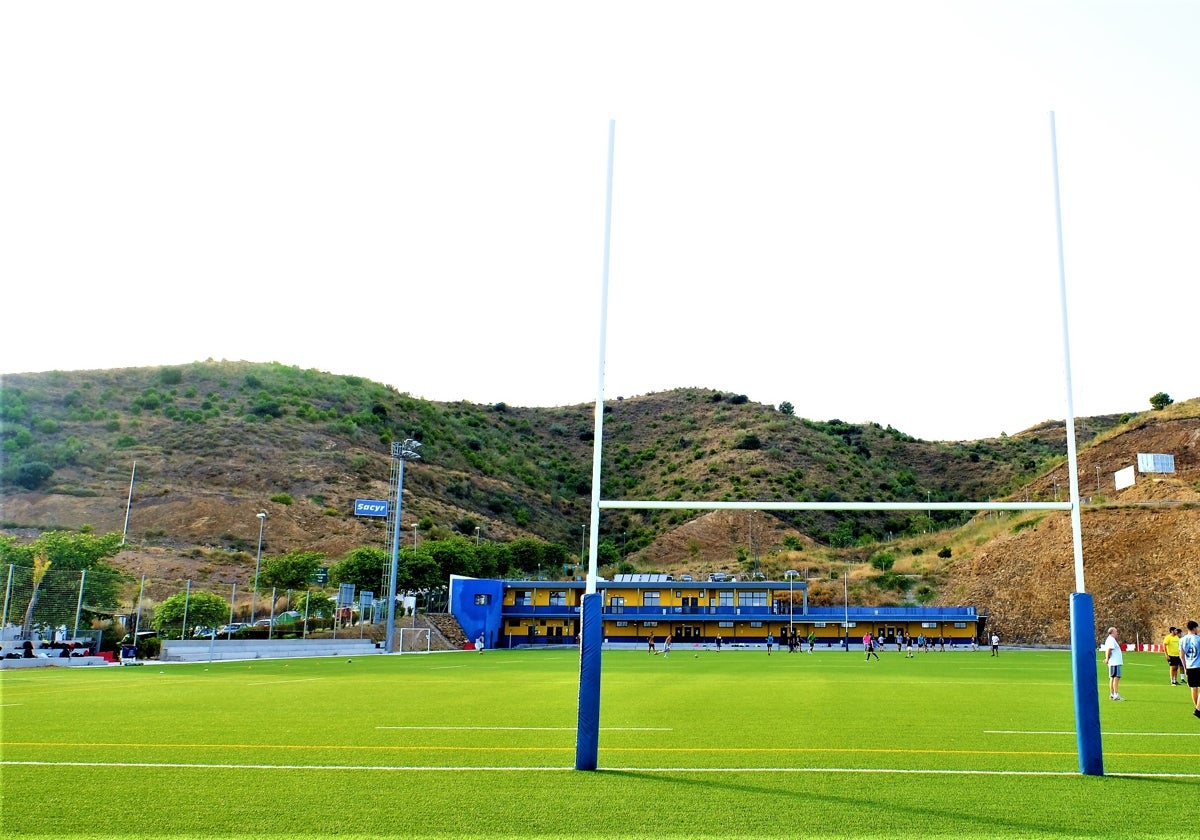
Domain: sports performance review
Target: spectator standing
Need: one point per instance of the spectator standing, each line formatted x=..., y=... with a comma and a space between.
x=1113, y=658
x=1174, y=663
x=995, y=644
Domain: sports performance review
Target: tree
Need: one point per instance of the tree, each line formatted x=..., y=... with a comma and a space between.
x=294, y=570
x=366, y=568
x=203, y=609
x=787, y=408
x=69, y=554
x=419, y=571
x=1160, y=401
x=31, y=475
x=456, y=556
x=41, y=565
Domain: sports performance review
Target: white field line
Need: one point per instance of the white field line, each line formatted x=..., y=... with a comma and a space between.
x=1072, y=732
x=281, y=682
x=526, y=768
x=532, y=728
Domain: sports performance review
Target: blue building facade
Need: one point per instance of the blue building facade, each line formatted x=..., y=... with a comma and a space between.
x=638, y=608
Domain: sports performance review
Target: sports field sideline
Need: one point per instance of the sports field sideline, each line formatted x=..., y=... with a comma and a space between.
x=703, y=744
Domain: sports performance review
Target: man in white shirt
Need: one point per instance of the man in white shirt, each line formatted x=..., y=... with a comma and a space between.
x=1189, y=652
x=1113, y=658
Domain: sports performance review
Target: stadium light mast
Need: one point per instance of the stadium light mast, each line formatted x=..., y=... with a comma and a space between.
x=406, y=450
x=262, y=520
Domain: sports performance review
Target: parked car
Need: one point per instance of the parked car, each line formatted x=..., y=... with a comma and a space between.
x=686, y=578
x=203, y=632
x=229, y=629
x=263, y=622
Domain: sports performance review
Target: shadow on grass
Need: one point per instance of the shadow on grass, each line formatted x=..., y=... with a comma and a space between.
x=988, y=805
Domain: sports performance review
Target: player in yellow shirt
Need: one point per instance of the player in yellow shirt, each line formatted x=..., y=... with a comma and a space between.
x=1174, y=663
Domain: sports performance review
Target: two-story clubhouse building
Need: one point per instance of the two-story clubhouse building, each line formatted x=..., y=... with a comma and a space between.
x=526, y=613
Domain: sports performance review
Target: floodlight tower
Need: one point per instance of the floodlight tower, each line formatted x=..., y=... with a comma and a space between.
x=262, y=520
x=406, y=450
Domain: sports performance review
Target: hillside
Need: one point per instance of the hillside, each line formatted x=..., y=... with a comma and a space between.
x=215, y=443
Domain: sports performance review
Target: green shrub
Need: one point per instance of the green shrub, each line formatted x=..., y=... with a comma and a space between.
x=283, y=499
x=149, y=647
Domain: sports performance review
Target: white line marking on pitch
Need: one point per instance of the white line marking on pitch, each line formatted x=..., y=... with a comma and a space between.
x=533, y=728
x=1071, y=732
x=281, y=682
x=527, y=768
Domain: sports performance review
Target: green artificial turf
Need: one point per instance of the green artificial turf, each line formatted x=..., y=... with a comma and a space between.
x=730, y=745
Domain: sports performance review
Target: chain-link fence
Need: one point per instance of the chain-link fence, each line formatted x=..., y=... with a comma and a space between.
x=99, y=609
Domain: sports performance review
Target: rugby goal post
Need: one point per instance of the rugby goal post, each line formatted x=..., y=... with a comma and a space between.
x=414, y=640
x=1082, y=609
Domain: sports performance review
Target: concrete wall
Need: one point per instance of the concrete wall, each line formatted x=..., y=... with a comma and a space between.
x=204, y=650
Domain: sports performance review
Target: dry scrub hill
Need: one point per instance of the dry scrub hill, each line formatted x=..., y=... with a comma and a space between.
x=1140, y=546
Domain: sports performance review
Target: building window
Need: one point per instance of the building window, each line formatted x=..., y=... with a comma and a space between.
x=748, y=598
x=558, y=598
x=622, y=623
x=522, y=598
x=724, y=623
x=482, y=599
x=649, y=623
x=756, y=624
x=960, y=625
x=651, y=599
x=725, y=598
x=929, y=625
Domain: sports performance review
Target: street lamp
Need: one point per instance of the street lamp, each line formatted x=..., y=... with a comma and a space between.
x=791, y=575
x=406, y=450
x=477, y=536
x=583, y=546
x=415, y=524
x=262, y=520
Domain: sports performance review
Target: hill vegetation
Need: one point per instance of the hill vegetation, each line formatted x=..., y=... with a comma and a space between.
x=215, y=443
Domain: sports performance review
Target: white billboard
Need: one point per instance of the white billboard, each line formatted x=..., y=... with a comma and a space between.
x=1124, y=478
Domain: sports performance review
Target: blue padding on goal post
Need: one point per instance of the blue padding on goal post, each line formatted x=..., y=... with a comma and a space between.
x=587, y=733
x=1087, y=694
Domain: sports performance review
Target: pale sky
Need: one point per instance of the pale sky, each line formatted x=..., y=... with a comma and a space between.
x=847, y=206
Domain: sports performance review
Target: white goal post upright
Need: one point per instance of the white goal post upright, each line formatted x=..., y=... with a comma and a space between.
x=414, y=640
x=1083, y=643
